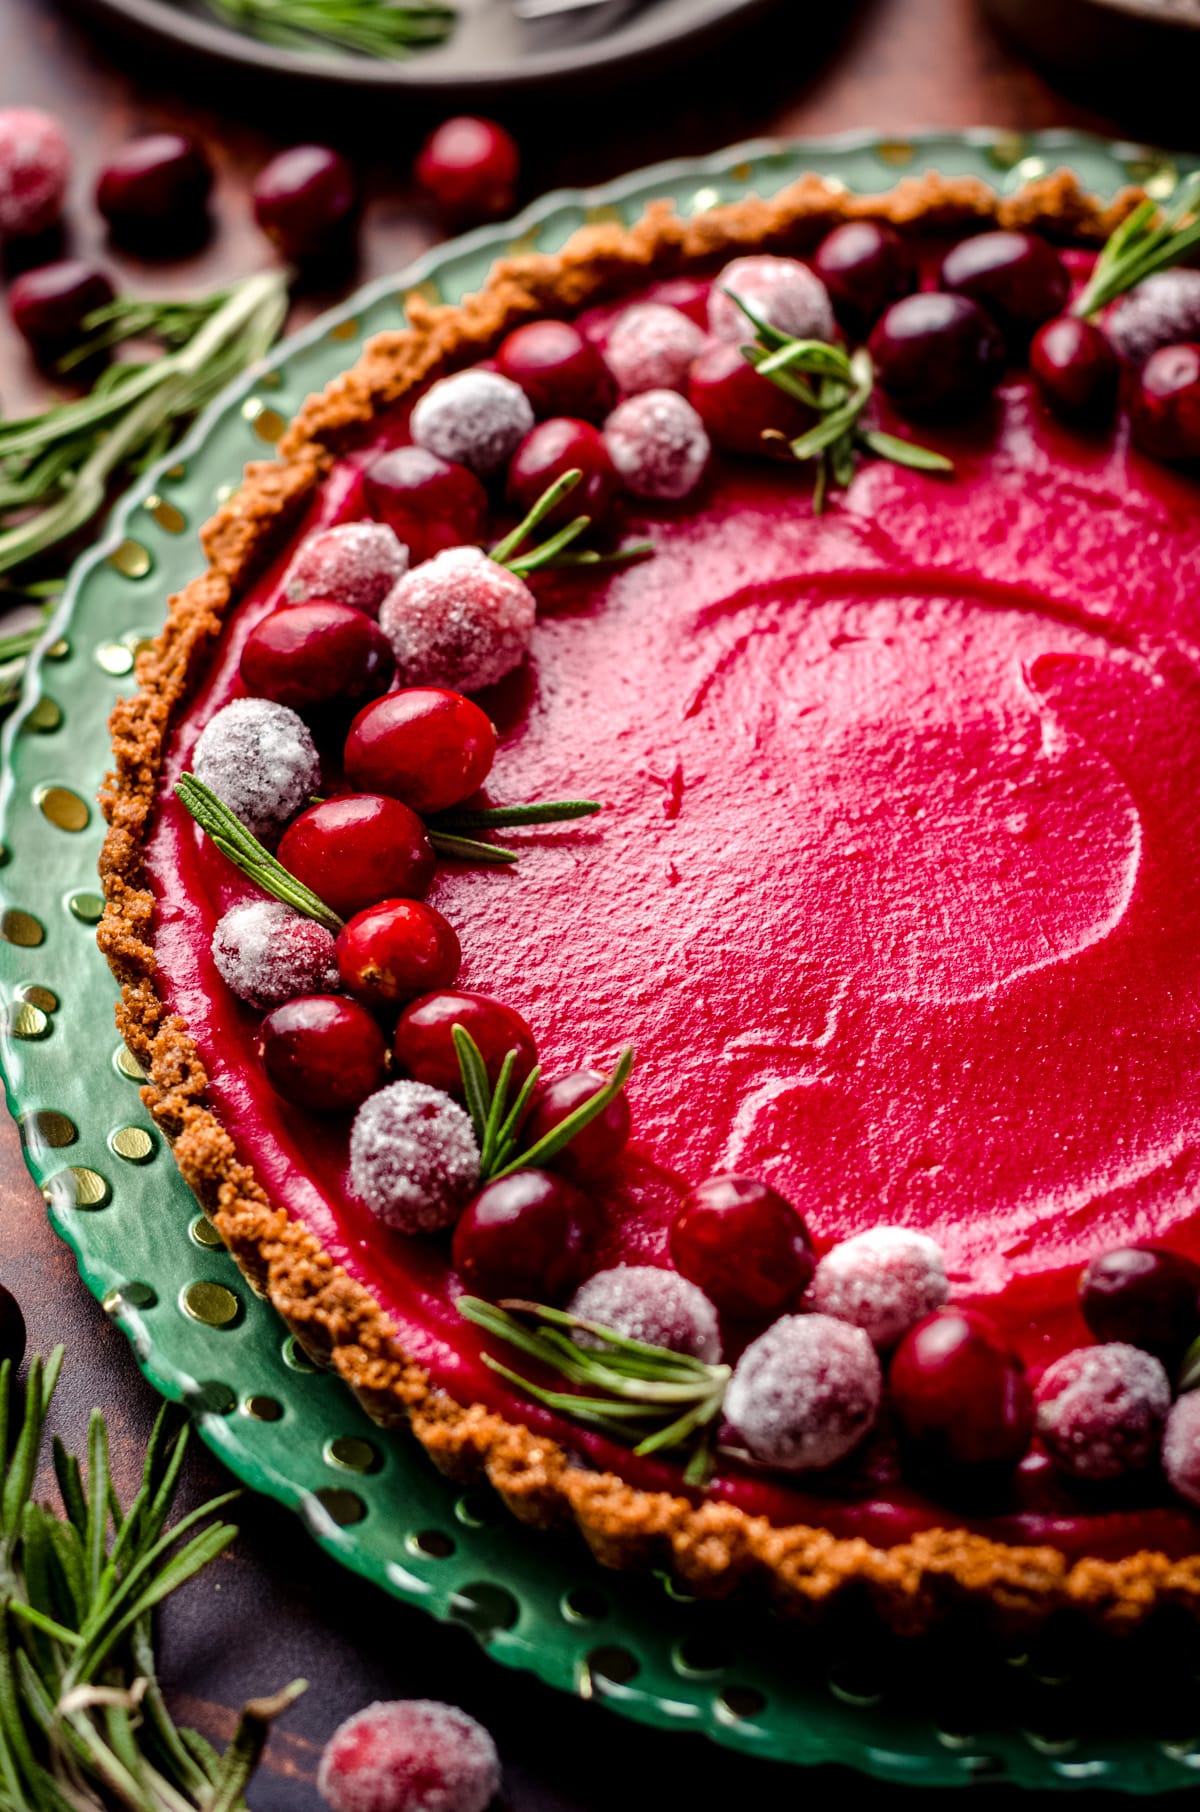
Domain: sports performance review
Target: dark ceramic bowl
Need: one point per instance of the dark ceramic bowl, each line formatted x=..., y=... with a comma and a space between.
x=1140, y=59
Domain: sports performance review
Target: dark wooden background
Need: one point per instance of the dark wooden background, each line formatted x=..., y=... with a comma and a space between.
x=275, y=1607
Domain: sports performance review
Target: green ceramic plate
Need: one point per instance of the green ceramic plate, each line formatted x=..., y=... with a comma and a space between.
x=199, y=1334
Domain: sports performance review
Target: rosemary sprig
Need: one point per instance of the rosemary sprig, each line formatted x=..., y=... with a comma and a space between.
x=497, y=1120
x=374, y=28
x=559, y=551
x=171, y=323
x=247, y=853
x=1149, y=239
x=484, y=817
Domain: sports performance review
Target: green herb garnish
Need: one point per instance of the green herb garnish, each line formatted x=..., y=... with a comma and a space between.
x=497, y=1121
x=558, y=551
x=1149, y=239
x=373, y=28
x=246, y=852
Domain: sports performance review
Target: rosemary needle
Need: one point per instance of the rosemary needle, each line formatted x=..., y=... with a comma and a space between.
x=373, y=28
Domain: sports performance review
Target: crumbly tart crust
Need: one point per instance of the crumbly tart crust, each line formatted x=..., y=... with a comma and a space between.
x=711, y=1548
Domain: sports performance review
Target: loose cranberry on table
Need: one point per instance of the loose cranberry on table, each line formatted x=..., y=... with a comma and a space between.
x=424, y=745
x=595, y=1150
x=738, y=407
x=356, y=851
x=158, y=183
x=354, y=563
x=307, y=656
x=1148, y=1296
x=1075, y=368
x=864, y=265
x=530, y=1235
x=555, y=447
x=323, y=1052
x=35, y=162
x=12, y=1328
x=392, y=952
x=559, y=370
x=305, y=200
x=430, y=503
x=746, y=1247
x=936, y=354
x=424, y=1044
x=470, y=168
x=960, y=1397
x=410, y=1755
x=1017, y=277
x=1164, y=411
x=49, y=305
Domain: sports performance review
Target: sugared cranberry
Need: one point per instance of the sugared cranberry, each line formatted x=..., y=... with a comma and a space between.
x=936, y=354
x=1101, y=1410
x=1074, y=368
x=529, y=1235
x=1181, y=1447
x=1145, y=1295
x=12, y=1328
x=1018, y=278
x=959, y=1393
x=305, y=200
x=459, y=620
x=658, y=444
x=159, y=183
x=593, y=1151
x=651, y=347
x=782, y=291
x=411, y=1755
x=425, y=1047
x=414, y=1158
x=1163, y=310
x=647, y=1303
x=392, y=952
x=323, y=1053
x=266, y=953
x=260, y=760
x=555, y=447
x=864, y=265
x=884, y=1280
x=560, y=372
x=427, y=746
x=356, y=851
x=1164, y=412
x=49, y=306
x=804, y=1394
x=474, y=418
x=354, y=563
x=738, y=407
x=744, y=1245
x=319, y=654
x=470, y=168
x=35, y=162
x=429, y=503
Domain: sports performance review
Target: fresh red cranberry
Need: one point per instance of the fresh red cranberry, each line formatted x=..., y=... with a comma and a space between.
x=310, y=655
x=864, y=265
x=1017, y=277
x=1164, y=414
x=305, y=199
x=49, y=306
x=959, y=1393
x=936, y=354
x=746, y=1247
x=431, y=504
x=738, y=407
x=425, y=1049
x=551, y=449
x=323, y=1053
x=424, y=745
x=389, y=953
x=356, y=851
x=560, y=372
x=530, y=1235
x=1146, y=1296
x=470, y=167
x=1075, y=368
x=12, y=1328
x=595, y=1150
x=160, y=182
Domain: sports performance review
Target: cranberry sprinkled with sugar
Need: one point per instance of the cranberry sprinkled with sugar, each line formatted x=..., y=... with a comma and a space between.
x=884, y=1280
x=651, y=347
x=1163, y=310
x=260, y=760
x=458, y=620
x=782, y=290
x=470, y=167
x=425, y=1048
x=49, y=305
x=865, y=265
x=414, y=1158
x=554, y=447
x=1147, y=1296
x=159, y=183
x=305, y=200
x=936, y=354
x=12, y=1328
x=646, y=1303
x=959, y=1393
x=746, y=1247
x=357, y=850
x=323, y=1053
x=658, y=444
x=266, y=953
x=35, y=162
x=1181, y=1447
x=307, y=656
x=1164, y=410
x=474, y=418
x=594, y=1150
x=737, y=407
x=1101, y=1410
x=409, y=1755
x=1075, y=369
x=424, y=745
x=428, y=502
x=530, y=1235
x=390, y=953
x=354, y=563
x=1018, y=277
x=804, y=1394
x=559, y=370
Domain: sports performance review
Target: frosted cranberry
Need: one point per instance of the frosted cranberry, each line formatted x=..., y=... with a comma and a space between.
x=864, y=265
x=1147, y=1296
x=1164, y=412
x=411, y=1755
x=738, y=407
x=260, y=760
x=804, y=1394
x=389, y=953
x=356, y=851
x=35, y=162
x=12, y=1328
x=354, y=563
x=658, y=444
x=959, y=1393
x=884, y=1280
x=309, y=655
x=49, y=306
x=265, y=953
x=1181, y=1447
x=746, y=1247
x=560, y=372
x=305, y=199
x=323, y=1053
x=1101, y=1410
x=651, y=347
x=460, y=620
x=592, y=1152
x=650, y=1304
x=781, y=290
x=937, y=354
x=427, y=746
x=475, y=418
x=470, y=167
x=430, y=503
x=1018, y=278
x=424, y=1044
x=555, y=447
x=414, y=1158
x=158, y=182
x=530, y=1235
x=1075, y=368
x=1163, y=310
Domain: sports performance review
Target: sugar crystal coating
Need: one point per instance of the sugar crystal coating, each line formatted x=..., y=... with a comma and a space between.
x=268, y=954
x=414, y=1158
x=1101, y=1409
x=884, y=1281
x=475, y=419
x=35, y=162
x=409, y=1755
x=651, y=347
x=1181, y=1447
x=458, y=620
x=260, y=761
x=658, y=444
x=805, y=1393
x=648, y=1303
x=782, y=290
x=354, y=563
x=1162, y=311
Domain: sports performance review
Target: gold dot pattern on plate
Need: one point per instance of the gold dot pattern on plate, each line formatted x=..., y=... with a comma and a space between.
x=131, y=559
x=214, y=1398
x=212, y=1303
x=523, y=244
x=63, y=808
x=115, y=658
x=602, y=214
x=428, y=291
x=58, y=651
x=27, y=1021
x=295, y=1356
x=127, y=1064
x=351, y=1453
x=131, y=1295
x=43, y=717
x=345, y=1507
x=262, y=1409
x=88, y=908
x=49, y=1127
x=17, y=927
x=1006, y=150
x=37, y=996
x=1028, y=170
x=81, y=1187
x=895, y=152
x=1157, y=175
x=167, y=515
x=205, y=1234
x=742, y=172
x=133, y=1143
x=176, y=473
x=267, y=423
x=345, y=330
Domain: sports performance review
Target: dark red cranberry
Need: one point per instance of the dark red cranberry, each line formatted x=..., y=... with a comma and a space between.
x=12, y=1328
x=49, y=306
x=160, y=182
x=1018, y=278
x=389, y=953
x=430, y=503
x=592, y=1152
x=323, y=1053
x=316, y=654
x=469, y=166
x=1075, y=368
x=305, y=199
x=959, y=1393
x=738, y=407
x=429, y=747
x=1164, y=413
x=551, y=449
x=936, y=354
x=864, y=265
x=1145, y=1295
x=530, y=1236
x=356, y=851
x=560, y=371
x=744, y=1245
x=424, y=1047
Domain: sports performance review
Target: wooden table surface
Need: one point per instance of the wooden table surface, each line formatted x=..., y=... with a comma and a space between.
x=275, y=1607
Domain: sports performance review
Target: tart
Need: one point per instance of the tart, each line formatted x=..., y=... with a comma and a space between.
x=893, y=890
